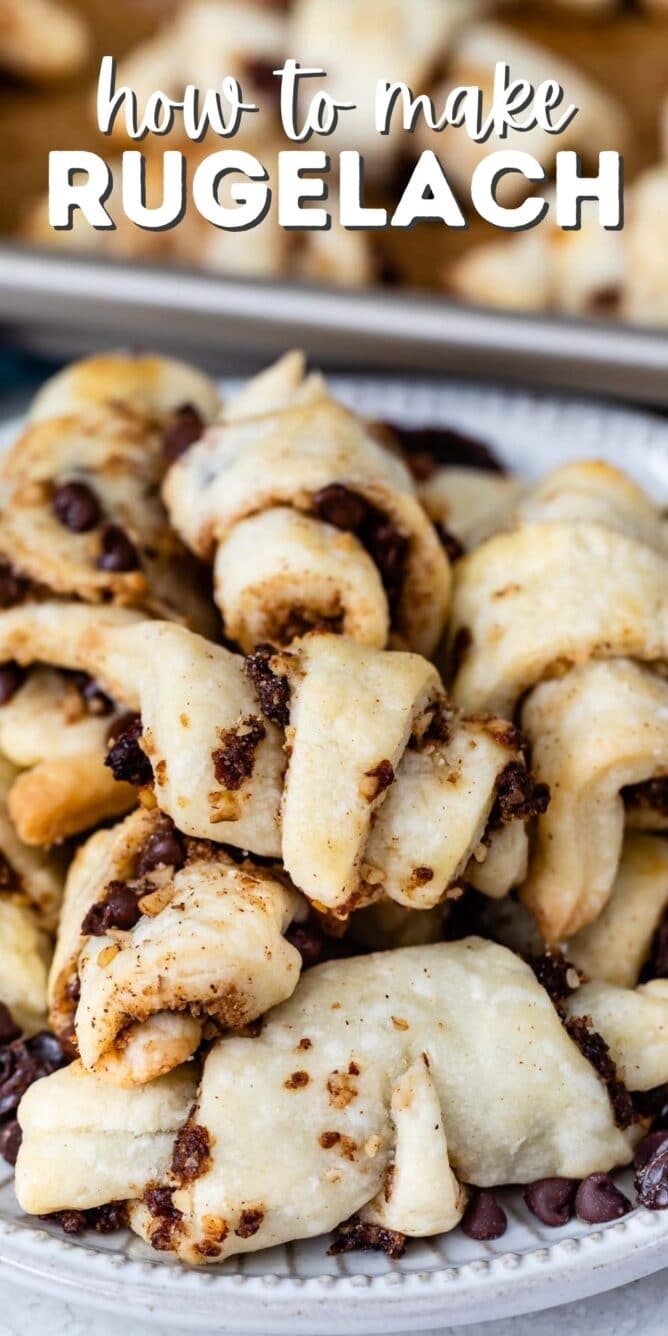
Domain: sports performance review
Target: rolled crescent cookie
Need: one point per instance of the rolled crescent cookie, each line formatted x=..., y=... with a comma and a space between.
x=568, y=608
x=550, y=595
x=634, y=1023
x=581, y=575
x=160, y=937
x=25, y=955
x=92, y=1139
x=31, y=886
x=310, y=522
x=30, y=876
x=43, y=41
x=81, y=511
x=54, y=727
x=469, y=502
x=371, y=1078
x=599, y=729
x=389, y=791
x=215, y=762
x=617, y=945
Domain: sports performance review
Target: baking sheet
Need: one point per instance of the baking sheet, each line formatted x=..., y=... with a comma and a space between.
x=65, y=305
x=627, y=52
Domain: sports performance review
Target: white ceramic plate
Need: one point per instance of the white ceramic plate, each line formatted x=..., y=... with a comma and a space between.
x=299, y=1289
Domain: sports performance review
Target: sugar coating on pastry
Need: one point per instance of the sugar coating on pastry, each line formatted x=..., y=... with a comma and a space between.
x=303, y=449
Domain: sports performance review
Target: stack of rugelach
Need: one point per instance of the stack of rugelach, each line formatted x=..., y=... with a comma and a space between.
x=318, y=830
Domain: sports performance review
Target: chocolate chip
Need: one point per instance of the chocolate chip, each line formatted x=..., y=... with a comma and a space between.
x=71, y=1222
x=651, y=1180
x=345, y=509
x=117, y=552
x=13, y=587
x=518, y=796
x=445, y=446
x=11, y=678
x=118, y=909
x=164, y=848
x=389, y=549
x=484, y=1218
x=358, y=1235
x=110, y=1217
x=121, y=724
x=656, y=965
x=77, y=507
x=126, y=758
x=191, y=1156
x=555, y=973
x=261, y=74
x=162, y=1238
x=453, y=547
x=234, y=760
x=338, y=505
x=552, y=1200
x=160, y=1203
x=249, y=1223
x=439, y=726
x=105, y=1219
x=21, y=1063
x=46, y=1050
x=272, y=691
x=185, y=427
x=422, y=465
x=605, y=301
x=379, y=779
x=651, y=795
x=648, y=1147
x=652, y=1104
x=96, y=700
x=9, y=877
x=598, y=1200
x=9, y=1030
x=10, y=1141
x=308, y=940
x=594, y=1048
x=460, y=647
x=73, y=989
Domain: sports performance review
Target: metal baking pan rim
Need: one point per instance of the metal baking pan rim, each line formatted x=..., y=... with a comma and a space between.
x=42, y=290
